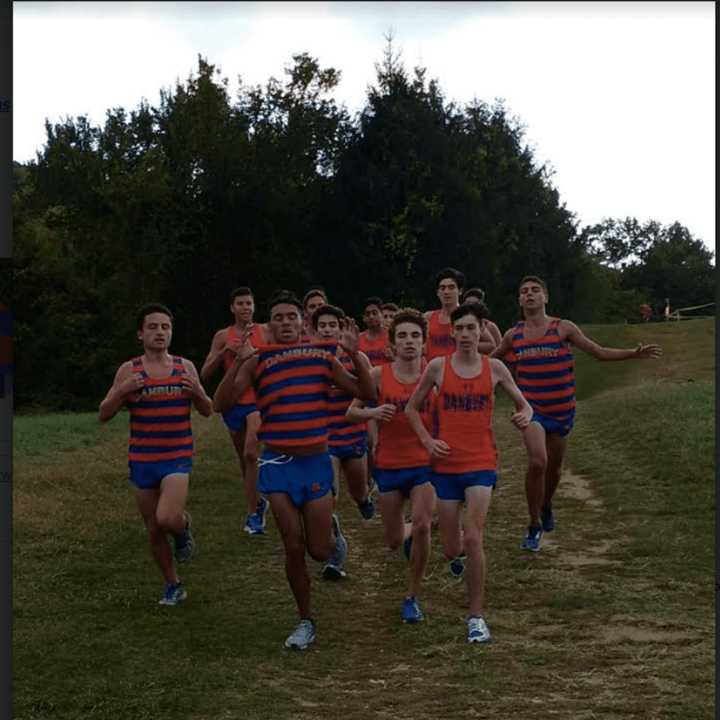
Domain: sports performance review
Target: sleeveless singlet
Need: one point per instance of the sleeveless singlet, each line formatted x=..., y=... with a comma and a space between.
x=257, y=338
x=341, y=432
x=398, y=444
x=375, y=349
x=464, y=410
x=440, y=340
x=545, y=371
x=160, y=419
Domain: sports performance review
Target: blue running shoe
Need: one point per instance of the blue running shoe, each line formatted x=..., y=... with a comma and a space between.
x=174, y=594
x=457, y=566
x=367, y=508
x=253, y=525
x=261, y=510
x=532, y=540
x=333, y=569
x=302, y=636
x=407, y=547
x=184, y=542
x=547, y=518
x=411, y=612
x=478, y=631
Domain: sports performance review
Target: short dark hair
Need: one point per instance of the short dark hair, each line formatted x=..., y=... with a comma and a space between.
x=239, y=292
x=390, y=306
x=316, y=291
x=453, y=274
x=327, y=310
x=372, y=300
x=284, y=296
x=478, y=309
x=535, y=279
x=473, y=292
x=408, y=315
x=149, y=309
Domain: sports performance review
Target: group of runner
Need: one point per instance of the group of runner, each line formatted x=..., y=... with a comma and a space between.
x=406, y=406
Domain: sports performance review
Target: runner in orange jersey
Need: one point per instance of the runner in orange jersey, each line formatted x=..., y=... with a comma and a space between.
x=159, y=389
x=314, y=298
x=463, y=452
x=402, y=464
x=243, y=419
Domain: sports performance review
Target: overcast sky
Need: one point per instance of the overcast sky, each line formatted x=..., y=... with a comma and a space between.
x=619, y=98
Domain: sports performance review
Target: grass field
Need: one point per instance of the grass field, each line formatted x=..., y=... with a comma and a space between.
x=612, y=619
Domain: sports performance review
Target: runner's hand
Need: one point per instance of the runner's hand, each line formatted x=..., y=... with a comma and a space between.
x=647, y=352
x=350, y=337
x=384, y=412
x=437, y=448
x=521, y=418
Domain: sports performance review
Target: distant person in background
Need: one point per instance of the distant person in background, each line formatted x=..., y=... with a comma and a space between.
x=159, y=390
x=314, y=298
x=374, y=341
x=645, y=312
x=389, y=310
x=666, y=311
x=243, y=419
x=544, y=369
x=477, y=295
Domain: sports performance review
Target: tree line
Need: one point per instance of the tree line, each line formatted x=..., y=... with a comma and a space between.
x=283, y=188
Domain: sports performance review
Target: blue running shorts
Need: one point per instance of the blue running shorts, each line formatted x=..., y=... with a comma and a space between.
x=149, y=475
x=401, y=479
x=302, y=477
x=235, y=418
x=452, y=486
x=346, y=452
x=553, y=426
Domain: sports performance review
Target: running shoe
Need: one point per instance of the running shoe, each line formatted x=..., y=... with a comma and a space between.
x=367, y=508
x=174, y=594
x=407, y=546
x=261, y=510
x=184, y=542
x=547, y=518
x=457, y=566
x=532, y=540
x=478, y=631
x=302, y=636
x=333, y=569
x=253, y=525
x=411, y=612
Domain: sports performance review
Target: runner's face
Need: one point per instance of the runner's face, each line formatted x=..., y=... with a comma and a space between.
x=448, y=292
x=313, y=304
x=285, y=323
x=157, y=332
x=328, y=327
x=466, y=331
x=408, y=341
x=243, y=308
x=372, y=317
x=387, y=316
x=532, y=295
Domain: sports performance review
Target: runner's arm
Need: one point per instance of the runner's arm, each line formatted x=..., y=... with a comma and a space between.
x=430, y=377
x=125, y=383
x=573, y=334
x=214, y=356
x=358, y=412
x=504, y=347
x=501, y=376
x=191, y=381
x=236, y=380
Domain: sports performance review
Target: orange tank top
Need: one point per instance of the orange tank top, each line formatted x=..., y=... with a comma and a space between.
x=257, y=338
x=375, y=349
x=464, y=410
x=440, y=341
x=398, y=444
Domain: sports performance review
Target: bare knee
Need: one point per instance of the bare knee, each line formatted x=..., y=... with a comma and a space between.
x=169, y=519
x=452, y=548
x=473, y=543
x=537, y=464
x=421, y=528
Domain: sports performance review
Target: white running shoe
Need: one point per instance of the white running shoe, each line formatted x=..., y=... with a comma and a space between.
x=302, y=636
x=478, y=631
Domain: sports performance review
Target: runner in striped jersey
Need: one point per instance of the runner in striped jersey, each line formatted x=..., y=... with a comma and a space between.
x=159, y=389
x=543, y=364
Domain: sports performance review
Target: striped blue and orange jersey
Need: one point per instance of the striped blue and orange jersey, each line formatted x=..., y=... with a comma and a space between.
x=440, y=340
x=257, y=338
x=160, y=417
x=545, y=371
x=292, y=383
x=341, y=432
x=464, y=416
